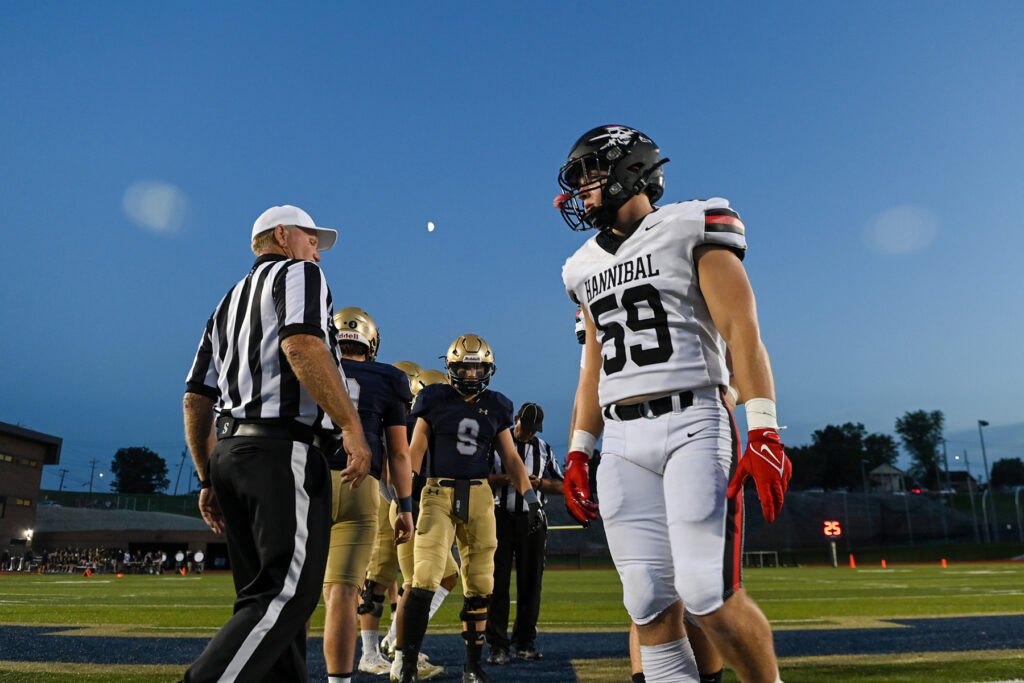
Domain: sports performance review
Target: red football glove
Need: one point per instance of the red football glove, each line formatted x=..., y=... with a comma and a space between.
x=576, y=488
x=765, y=460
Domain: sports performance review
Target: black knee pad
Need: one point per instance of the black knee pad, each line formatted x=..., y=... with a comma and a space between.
x=475, y=608
x=473, y=637
x=371, y=603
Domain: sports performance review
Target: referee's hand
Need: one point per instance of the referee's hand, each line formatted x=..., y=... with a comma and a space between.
x=358, y=458
x=209, y=508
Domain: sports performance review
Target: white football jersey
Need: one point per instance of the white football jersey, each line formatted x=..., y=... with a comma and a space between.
x=652, y=321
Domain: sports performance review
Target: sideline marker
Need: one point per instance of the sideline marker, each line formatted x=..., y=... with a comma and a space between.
x=883, y=564
x=943, y=563
x=853, y=565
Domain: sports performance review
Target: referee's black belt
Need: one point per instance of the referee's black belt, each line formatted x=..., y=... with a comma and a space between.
x=287, y=429
x=652, y=408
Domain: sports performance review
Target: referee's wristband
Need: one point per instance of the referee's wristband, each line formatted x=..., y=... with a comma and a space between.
x=204, y=483
x=405, y=504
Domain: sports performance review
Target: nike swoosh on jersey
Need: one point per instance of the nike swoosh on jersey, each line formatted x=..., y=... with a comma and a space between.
x=690, y=435
x=650, y=227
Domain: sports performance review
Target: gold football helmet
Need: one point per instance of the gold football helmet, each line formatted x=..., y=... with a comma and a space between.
x=428, y=377
x=411, y=370
x=356, y=325
x=470, y=364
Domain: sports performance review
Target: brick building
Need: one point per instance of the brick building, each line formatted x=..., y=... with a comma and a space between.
x=23, y=453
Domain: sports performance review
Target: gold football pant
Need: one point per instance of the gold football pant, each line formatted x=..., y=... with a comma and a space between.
x=354, y=526
x=406, y=553
x=438, y=527
x=383, y=565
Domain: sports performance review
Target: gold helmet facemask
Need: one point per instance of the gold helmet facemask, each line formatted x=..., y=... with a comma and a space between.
x=356, y=325
x=411, y=370
x=470, y=364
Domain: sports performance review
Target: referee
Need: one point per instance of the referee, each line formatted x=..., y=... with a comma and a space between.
x=268, y=366
x=515, y=542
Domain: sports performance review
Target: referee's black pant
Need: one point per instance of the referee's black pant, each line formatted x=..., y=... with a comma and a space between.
x=516, y=547
x=275, y=496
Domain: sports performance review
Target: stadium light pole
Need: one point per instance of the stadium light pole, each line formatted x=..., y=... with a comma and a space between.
x=970, y=493
x=988, y=481
x=945, y=459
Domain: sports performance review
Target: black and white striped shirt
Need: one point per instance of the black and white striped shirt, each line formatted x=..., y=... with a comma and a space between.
x=540, y=462
x=240, y=362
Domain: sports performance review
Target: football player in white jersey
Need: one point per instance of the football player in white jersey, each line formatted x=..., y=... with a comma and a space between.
x=664, y=293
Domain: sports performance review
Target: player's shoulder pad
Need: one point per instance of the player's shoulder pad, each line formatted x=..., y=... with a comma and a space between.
x=501, y=403
x=500, y=399
x=720, y=217
x=396, y=380
x=588, y=251
x=427, y=397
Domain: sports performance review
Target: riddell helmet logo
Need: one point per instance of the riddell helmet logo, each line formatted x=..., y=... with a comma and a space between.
x=472, y=359
x=348, y=335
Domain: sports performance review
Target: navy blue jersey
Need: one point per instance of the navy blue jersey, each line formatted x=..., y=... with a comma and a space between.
x=462, y=433
x=380, y=393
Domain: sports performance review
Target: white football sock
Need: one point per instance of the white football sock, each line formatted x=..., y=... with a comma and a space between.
x=435, y=604
x=670, y=662
x=370, y=644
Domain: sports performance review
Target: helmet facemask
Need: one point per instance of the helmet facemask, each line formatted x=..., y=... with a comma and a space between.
x=470, y=378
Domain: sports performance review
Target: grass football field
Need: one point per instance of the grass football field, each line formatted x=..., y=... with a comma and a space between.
x=811, y=608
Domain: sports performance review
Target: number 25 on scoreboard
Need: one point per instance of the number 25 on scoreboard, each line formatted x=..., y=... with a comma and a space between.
x=832, y=528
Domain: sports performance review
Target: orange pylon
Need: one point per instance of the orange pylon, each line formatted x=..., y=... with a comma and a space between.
x=853, y=565
x=883, y=564
x=943, y=563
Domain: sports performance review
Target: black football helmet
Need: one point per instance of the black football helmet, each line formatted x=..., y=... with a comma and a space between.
x=628, y=163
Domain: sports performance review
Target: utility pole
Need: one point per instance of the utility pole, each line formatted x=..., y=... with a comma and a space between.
x=62, y=473
x=970, y=492
x=92, y=472
x=988, y=482
x=945, y=459
x=180, y=465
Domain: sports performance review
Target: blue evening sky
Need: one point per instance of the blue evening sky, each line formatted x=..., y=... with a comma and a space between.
x=874, y=150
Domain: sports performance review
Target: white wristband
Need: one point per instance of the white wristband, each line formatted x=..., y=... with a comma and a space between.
x=761, y=414
x=582, y=441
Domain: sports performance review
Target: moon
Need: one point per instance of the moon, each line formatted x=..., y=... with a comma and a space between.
x=430, y=226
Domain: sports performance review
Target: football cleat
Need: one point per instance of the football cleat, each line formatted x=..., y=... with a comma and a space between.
x=425, y=670
x=374, y=663
x=356, y=325
x=475, y=675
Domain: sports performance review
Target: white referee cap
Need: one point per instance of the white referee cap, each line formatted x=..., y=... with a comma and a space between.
x=293, y=215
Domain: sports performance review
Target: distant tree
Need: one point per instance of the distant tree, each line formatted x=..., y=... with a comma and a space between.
x=138, y=470
x=880, y=449
x=839, y=456
x=921, y=432
x=806, y=467
x=1008, y=472
x=840, y=449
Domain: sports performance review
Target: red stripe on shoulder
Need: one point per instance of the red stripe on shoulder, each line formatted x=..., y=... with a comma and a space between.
x=724, y=220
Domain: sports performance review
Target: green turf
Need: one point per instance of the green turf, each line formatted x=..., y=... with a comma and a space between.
x=574, y=601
